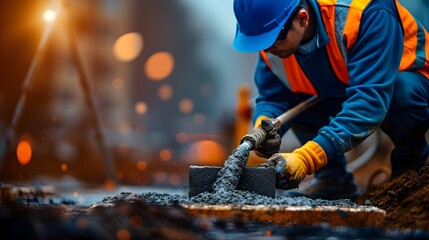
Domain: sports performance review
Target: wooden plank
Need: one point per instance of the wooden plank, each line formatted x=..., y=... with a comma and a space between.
x=292, y=215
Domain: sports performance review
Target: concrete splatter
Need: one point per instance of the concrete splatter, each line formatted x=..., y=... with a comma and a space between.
x=234, y=197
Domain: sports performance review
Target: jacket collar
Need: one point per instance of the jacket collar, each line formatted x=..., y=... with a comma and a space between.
x=322, y=35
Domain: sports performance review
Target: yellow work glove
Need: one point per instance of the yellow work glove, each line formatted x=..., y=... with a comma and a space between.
x=291, y=168
x=272, y=142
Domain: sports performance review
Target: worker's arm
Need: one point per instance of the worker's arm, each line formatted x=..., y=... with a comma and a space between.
x=372, y=64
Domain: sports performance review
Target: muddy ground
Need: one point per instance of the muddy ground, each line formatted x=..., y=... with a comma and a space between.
x=405, y=200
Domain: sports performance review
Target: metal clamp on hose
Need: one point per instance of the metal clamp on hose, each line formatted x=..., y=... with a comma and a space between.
x=255, y=137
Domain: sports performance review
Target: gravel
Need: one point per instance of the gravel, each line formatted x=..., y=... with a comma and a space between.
x=224, y=191
x=234, y=197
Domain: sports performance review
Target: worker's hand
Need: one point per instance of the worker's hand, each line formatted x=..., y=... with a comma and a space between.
x=291, y=168
x=269, y=146
x=272, y=142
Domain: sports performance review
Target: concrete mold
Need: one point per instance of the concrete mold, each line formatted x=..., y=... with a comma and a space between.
x=253, y=179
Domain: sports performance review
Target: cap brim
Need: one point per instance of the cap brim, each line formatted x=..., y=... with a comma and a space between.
x=244, y=43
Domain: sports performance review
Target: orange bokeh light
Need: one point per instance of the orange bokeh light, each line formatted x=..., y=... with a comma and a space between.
x=165, y=154
x=207, y=152
x=64, y=167
x=123, y=234
x=182, y=137
x=174, y=179
x=120, y=175
x=117, y=83
x=165, y=92
x=24, y=152
x=159, y=66
x=186, y=105
x=140, y=108
x=128, y=47
x=109, y=185
x=141, y=165
x=135, y=221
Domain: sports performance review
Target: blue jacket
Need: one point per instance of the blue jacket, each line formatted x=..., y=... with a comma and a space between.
x=356, y=60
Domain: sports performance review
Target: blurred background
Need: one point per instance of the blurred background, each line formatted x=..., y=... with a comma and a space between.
x=133, y=91
x=161, y=75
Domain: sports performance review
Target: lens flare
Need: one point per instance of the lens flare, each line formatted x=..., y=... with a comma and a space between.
x=49, y=15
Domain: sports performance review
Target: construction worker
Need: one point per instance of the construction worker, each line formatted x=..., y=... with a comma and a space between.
x=368, y=59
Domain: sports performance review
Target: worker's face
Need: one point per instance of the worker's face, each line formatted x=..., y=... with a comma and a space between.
x=283, y=48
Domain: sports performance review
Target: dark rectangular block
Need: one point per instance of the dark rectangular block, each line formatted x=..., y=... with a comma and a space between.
x=258, y=180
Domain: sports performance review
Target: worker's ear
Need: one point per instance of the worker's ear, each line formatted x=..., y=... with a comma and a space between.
x=303, y=17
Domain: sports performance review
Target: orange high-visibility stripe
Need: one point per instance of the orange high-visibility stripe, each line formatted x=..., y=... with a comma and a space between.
x=265, y=58
x=410, y=38
x=351, y=27
x=336, y=59
x=297, y=79
x=409, y=54
x=327, y=2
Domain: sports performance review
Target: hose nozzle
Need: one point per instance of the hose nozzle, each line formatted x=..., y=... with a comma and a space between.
x=257, y=135
x=254, y=137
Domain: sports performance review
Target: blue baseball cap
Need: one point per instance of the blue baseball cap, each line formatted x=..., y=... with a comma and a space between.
x=259, y=22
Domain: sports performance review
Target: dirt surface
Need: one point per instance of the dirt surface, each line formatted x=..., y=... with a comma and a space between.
x=405, y=200
x=138, y=220
x=160, y=216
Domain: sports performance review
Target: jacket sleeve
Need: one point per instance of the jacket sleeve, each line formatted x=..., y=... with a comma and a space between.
x=373, y=64
x=274, y=97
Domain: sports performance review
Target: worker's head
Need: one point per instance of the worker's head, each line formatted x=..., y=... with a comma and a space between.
x=264, y=24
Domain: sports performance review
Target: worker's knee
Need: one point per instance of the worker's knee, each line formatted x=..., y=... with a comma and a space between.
x=409, y=105
x=409, y=92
